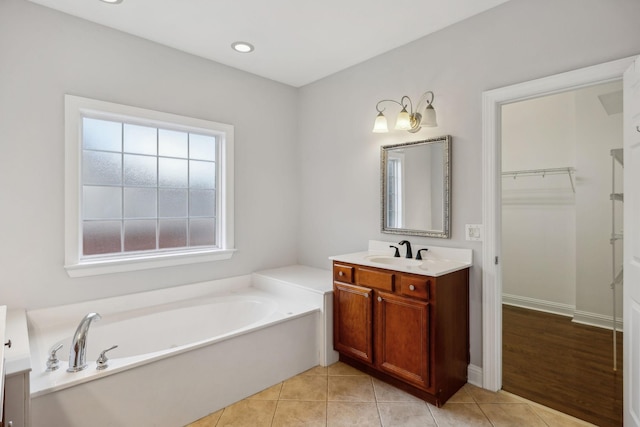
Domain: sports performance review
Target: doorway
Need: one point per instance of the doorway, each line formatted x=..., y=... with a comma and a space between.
x=560, y=256
x=491, y=267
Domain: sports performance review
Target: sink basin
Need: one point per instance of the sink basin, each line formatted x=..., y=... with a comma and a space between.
x=389, y=260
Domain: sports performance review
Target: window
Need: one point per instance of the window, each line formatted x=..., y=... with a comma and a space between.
x=144, y=189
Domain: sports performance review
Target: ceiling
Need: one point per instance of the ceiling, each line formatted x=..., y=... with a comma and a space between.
x=296, y=41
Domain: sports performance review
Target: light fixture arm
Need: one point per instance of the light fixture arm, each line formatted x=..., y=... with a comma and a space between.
x=389, y=100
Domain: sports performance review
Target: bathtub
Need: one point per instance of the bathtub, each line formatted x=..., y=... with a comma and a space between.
x=182, y=352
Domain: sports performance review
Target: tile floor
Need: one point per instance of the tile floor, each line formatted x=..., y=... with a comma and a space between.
x=340, y=395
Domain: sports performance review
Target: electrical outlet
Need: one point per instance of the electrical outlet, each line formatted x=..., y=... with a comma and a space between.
x=473, y=232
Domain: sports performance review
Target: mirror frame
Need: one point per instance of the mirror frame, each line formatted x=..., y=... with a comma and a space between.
x=445, y=233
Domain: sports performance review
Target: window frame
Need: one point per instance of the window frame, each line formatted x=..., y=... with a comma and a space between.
x=76, y=108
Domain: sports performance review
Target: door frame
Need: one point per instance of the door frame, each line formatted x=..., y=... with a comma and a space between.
x=492, y=102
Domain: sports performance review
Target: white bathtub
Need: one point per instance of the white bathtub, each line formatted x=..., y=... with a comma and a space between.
x=182, y=353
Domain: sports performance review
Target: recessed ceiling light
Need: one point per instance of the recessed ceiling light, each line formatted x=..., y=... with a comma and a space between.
x=112, y=1
x=242, y=47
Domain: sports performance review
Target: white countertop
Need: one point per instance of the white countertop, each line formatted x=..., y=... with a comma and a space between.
x=437, y=261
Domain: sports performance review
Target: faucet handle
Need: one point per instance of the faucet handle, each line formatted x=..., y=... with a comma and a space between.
x=397, y=254
x=101, y=363
x=419, y=256
x=52, y=361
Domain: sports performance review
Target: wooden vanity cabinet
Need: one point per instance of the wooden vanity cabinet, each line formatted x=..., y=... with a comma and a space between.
x=409, y=330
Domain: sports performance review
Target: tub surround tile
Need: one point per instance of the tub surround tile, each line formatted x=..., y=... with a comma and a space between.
x=293, y=413
x=406, y=414
x=345, y=414
x=305, y=387
x=351, y=389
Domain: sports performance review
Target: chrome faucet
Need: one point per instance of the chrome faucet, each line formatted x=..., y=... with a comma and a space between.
x=77, y=353
x=409, y=252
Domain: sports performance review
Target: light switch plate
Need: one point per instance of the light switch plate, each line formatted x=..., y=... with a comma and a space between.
x=473, y=232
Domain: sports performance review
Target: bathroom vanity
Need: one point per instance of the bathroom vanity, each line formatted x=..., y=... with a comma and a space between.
x=404, y=321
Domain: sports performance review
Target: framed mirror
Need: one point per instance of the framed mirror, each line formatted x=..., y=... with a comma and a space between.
x=416, y=188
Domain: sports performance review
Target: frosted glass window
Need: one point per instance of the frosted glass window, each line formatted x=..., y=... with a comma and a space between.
x=202, y=232
x=140, y=170
x=140, y=203
x=173, y=203
x=173, y=173
x=150, y=188
x=173, y=233
x=101, y=237
x=202, y=174
x=101, y=202
x=140, y=139
x=202, y=203
x=202, y=147
x=173, y=143
x=101, y=168
x=139, y=235
x=101, y=135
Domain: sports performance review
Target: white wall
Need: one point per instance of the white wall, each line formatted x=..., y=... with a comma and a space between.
x=45, y=54
x=518, y=41
x=539, y=213
x=596, y=134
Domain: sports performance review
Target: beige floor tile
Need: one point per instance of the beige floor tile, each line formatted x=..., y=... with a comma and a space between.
x=209, y=421
x=355, y=388
x=481, y=395
x=348, y=414
x=340, y=368
x=305, y=387
x=248, y=413
x=558, y=419
x=405, y=414
x=318, y=370
x=511, y=414
x=272, y=393
x=459, y=414
x=387, y=393
x=462, y=395
x=294, y=413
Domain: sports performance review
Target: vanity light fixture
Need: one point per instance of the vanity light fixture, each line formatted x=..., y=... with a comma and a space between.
x=112, y=1
x=424, y=114
x=242, y=47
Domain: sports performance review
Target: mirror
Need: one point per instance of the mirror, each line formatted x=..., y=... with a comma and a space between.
x=416, y=188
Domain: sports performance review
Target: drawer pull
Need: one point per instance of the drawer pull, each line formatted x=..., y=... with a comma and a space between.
x=412, y=288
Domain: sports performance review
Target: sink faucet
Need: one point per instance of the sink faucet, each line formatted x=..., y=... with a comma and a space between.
x=77, y=353
x=409, y=253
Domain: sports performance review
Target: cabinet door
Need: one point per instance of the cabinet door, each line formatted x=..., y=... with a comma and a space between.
x=402, y=338
x=352, y=328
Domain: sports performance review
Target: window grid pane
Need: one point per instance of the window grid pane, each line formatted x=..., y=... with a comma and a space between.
x=163, y=191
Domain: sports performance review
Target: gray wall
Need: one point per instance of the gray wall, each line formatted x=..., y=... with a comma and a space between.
x=515, y=42
x=45, y=54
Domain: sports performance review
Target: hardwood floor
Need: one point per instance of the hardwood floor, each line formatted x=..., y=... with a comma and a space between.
x=563, y=365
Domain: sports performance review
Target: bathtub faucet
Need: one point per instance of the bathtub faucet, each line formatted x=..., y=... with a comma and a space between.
x=77, y=353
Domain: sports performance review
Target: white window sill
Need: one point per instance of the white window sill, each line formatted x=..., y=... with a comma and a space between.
x=98, y=267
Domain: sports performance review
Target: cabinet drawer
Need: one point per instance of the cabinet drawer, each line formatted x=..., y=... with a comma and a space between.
x=375, y=279
x=343, y=273
x=416, y=287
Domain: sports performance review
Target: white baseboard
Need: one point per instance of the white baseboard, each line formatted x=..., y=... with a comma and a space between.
x=578, y=316
x=474, y=375
x=597, y=320
x=539, y=305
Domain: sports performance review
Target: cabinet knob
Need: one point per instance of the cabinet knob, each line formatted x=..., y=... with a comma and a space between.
x=340, y=273
x=412, y=288
x=366, y=295
x=379, y=299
